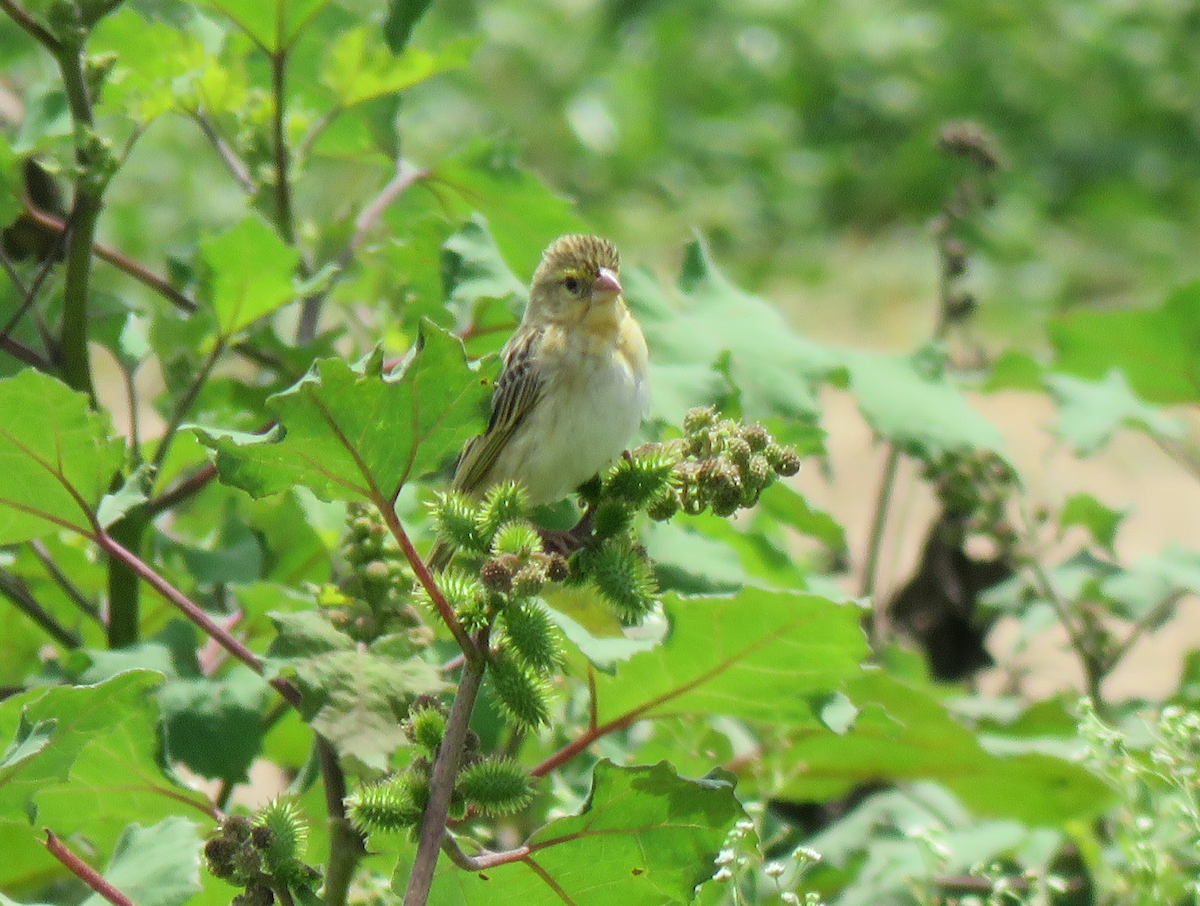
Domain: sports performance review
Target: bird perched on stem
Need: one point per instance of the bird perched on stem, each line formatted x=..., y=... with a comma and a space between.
x=573, y=384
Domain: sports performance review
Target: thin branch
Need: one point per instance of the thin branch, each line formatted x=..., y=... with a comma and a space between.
x=122, y=263
x=184, y=404
x=31, y=25
x=193, y=612
x=484, y=860
x=441, y=782
x=25, y=354
x=181, y=491
x=77, y=597
x=84, y=872
x=1149, y=619
x=35, y=287
x=883, y=501
x=9, y=269
x=234, y=164
x=15, y=589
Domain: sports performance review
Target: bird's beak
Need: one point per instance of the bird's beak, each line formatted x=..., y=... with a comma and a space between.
x=607, y=287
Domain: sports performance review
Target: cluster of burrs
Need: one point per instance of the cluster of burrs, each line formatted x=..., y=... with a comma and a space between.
x=488, y=785
x=262, y=854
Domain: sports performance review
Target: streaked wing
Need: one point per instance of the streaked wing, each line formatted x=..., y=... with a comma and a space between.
x=518, y=391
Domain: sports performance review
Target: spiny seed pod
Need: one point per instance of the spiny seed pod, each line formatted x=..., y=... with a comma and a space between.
x=384, y=806
x=517, y=538
x=725, y=499
x=247, y=864
x=455, y=517
x=533, y=636
x=528, y=580
x=557, y=569
x=698, y=419
x=738, y=451
x=756, y=436
x=519, y=692
x=495, y=786
x=636, y=478
x=502, y=503
x=623, y=577
x=663, y=506
x=426, y=727
x=611, y=518
x=497, y=572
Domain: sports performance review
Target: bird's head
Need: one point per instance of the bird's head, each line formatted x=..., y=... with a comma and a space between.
x=578, y=278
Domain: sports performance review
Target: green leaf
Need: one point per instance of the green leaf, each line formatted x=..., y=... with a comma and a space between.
x=523, y=215
x=155, y=866
x=1086, y=511
x=57, y=458
x=791, y=508
x=354, y=695
x=1158, y=349
x=271, y=24
x=903, y=733
x=1089, y=413
x=761, y=655
x=1014, y=370
x=910, y=402
x=714, y=324
x=350, y=433
x=12, y=186
x=402, y=17
x=215, y=727
x=359, y=68
x=252, y=273
x=98, y=770
x=645, y=837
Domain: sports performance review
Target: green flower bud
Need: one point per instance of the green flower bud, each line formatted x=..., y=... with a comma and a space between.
x=756, y=436
x=528, y=580
x=738, y=452
x=426, y=727
x=698, y=419
x=663, y=506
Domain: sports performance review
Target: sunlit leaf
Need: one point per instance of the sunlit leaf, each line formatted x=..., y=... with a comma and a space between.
x=359, y=67
x=350, y=433
x=645, y=836
x=57, y=458
x=271, y=24
x=758, y=654
x=252, y=273
x=1100, y=521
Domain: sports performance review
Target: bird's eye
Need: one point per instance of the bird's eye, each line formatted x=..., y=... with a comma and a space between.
x=572, y=284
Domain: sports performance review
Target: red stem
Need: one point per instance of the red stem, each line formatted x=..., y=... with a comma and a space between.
x=84, y=872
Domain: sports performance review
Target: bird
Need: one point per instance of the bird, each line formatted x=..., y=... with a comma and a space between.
x=573, y=384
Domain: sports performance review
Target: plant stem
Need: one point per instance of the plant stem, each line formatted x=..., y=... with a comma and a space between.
x=483, y=861
x=441, y=783
x=18, y=592
x=182, y=490
x=237, y=168
x=387, y=509
x=30, y=25
x=124, y=589
x=875, y=544
x=85, y=215
x=346, y=844
x=85, y=872
x=184, y=404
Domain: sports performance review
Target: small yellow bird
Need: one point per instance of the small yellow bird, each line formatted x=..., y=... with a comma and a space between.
x=573, y=384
